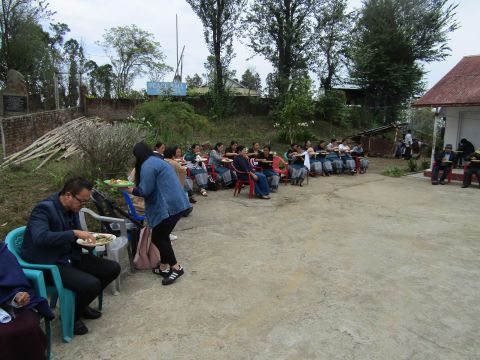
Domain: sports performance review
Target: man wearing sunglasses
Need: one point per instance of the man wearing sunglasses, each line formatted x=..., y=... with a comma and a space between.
x=50, y=238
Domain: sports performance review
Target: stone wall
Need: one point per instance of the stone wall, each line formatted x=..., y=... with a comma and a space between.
x=18, y=132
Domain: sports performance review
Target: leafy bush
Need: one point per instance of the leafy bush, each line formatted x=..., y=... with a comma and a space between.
x=107, y=149
x=393, y=171
x=425, y=164
x=296, y=114
x=412, y=165
x=171, y=122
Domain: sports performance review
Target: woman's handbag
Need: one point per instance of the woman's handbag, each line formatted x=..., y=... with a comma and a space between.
x=212, y=184
x=147, y=256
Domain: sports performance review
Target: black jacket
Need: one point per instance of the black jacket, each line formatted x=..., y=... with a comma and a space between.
x=49, y=237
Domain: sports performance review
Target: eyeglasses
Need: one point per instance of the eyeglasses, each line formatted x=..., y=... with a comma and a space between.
x=82, y=202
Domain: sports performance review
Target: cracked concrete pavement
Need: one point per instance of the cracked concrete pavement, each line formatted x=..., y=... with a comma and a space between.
x=364, y=267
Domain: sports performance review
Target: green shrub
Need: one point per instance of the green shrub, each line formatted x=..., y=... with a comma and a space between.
x=171, y=122
x=425, y=164
x=412, y=165
x=393, y=171
x=106, y=149
x=295, y=115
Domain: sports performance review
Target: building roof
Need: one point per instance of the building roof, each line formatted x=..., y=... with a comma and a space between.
x=460, y=87
x=379, y=130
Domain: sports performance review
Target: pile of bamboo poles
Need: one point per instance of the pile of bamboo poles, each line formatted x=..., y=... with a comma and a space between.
x=53, y=143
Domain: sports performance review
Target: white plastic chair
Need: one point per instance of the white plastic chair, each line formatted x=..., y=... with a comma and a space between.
x=112, y=249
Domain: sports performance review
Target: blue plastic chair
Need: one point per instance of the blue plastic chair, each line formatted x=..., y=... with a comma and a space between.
x=131, y=209
x=14, y=242
x=35, y=277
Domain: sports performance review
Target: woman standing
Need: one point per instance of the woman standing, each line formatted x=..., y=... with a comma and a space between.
x=165, y=204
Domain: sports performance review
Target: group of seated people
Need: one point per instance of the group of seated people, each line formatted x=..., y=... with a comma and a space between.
x=53, y=229
x=446, y=160
x=202, y=164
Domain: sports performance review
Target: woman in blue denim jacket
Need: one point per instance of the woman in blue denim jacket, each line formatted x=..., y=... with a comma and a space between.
x=165, y=203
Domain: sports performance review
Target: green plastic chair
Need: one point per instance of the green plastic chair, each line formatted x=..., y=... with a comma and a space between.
x=14, y=242
x=35, y=277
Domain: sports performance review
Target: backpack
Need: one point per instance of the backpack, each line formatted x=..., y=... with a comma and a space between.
x=147, y=256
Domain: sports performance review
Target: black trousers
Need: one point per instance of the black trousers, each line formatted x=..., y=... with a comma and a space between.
x=436, y=170
x=467, y=177
x=408, y=152
x=161, y=239
x=87, y=278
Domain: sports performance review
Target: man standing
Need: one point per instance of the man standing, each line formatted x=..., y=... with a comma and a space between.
x=50, y=238
x=444, y=162
x=408, y=144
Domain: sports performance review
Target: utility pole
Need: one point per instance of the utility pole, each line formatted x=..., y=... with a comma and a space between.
x=55, y=84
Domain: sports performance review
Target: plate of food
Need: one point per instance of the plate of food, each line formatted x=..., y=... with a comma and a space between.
x=118, y=183
x=100, y=239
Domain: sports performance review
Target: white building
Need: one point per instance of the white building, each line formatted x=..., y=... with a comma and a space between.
x=458, y=96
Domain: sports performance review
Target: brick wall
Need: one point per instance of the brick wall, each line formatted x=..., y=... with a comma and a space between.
x=111, y=109
x=120, y=109
x=18, y=132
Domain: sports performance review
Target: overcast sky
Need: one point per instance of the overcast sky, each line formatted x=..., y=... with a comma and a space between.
x=88, y=20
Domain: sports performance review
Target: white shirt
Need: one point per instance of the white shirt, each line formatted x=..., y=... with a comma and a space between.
x=408, y=140
x=343, y=148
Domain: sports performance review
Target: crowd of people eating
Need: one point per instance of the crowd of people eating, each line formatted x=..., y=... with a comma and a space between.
x=164, y=183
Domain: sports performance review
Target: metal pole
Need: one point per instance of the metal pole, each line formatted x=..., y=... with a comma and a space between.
x=434, y=140
x=55, y=85
x=176, y=32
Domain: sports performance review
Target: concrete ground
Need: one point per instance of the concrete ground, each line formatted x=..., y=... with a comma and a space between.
x=364, y=267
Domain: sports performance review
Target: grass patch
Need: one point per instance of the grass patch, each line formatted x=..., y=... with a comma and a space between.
x=22, y=188
x=393, y=171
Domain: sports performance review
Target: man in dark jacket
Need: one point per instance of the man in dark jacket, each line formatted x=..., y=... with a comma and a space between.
x=473, y=168
x=50, y=238
x=443, y=162
x=465, y=148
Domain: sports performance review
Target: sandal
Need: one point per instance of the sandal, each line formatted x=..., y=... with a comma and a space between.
x=163, y=273
x=203, y=192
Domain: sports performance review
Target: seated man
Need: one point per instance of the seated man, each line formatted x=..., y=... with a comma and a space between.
x=473, y=168
x=443, y=161
x=50, y=238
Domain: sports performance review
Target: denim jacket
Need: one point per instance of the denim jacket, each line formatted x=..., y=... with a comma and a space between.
x=163, y=194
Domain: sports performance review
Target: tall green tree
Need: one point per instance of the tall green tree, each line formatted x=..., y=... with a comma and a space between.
x=100, y=79
x=251, y=79
x=16, y=16
x=194, y=82
x=220, y=19
x=332, y=39
x=132, y=52
x=281, y=32
x=76, y=63
x=393, y=41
